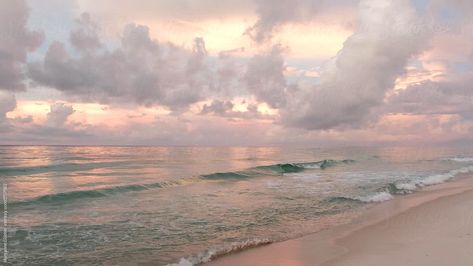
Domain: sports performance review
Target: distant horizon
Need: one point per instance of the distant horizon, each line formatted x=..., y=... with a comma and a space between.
x=282, y=145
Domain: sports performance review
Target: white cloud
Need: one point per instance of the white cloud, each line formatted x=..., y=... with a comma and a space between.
x=357, y=79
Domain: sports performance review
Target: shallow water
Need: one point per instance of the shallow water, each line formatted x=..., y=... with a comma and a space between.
x=156, y=205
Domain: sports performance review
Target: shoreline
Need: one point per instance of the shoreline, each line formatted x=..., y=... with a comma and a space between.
x=355, y=242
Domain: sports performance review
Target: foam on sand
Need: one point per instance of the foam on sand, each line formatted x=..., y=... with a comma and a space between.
x=213, y=253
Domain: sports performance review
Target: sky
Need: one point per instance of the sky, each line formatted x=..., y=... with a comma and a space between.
x=246, y=72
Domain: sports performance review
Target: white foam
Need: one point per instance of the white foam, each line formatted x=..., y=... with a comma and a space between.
x=378, y=197
x=441, y=178
x=406, y=186
x=311, y=165
x=182, y=262
x=462, y=159
x=436, y=179
x=210, y=254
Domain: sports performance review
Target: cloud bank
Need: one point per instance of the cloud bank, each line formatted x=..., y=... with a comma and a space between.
x=191, y=95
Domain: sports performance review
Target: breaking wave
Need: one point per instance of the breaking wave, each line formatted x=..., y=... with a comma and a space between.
x=228, y=175
x=401, y=188
x=432, y=179
x=103, y=192
x=461, y=159
x=283, y=168
x=214, y=253
x=376, y=197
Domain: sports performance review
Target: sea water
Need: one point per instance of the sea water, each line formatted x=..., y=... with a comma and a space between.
x=187, y=205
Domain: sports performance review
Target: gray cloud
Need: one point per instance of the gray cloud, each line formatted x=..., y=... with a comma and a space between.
x=7, y=104
x=58, y=114
x=229, y=72
x=217, y=107
x=140, y=70
x=15, y=42
x=274, y=13
x=144, y=71
x=23, y=119
x=356, y=80
x=85, y=38
x=225, y=109
x=265, y=77
x=442, y=97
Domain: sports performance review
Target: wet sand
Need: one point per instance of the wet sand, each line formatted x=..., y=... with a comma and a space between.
x=431, y=227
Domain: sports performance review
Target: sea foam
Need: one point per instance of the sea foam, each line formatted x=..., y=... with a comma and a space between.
x=207, y=256
x=461, y=159
x=407, y=187
x=378, y=197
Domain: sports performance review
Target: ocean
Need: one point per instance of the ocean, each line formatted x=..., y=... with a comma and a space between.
x=103, y=205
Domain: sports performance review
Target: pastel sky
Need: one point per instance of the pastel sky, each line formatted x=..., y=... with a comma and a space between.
x=246, y=72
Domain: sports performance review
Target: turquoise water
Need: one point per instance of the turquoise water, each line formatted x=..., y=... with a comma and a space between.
x=164, y=205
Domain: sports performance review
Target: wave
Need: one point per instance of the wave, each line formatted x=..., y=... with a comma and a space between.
x=432, y=179
x=228, y=175
x=341, y=199
x=403, y=187
x=63, y=167
x=329, y=163
x=211, y=254
x=103, y=192
x=400, y=188
x=461, y=159
x=376, y=197
x=285, y=168
x=282, y=168
x=407, y=187
x=59, y=198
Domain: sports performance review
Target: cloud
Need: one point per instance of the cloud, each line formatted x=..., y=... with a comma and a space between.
x=85, y=37
x=7, y=104
x=217, y=107
x=274, y=13
x=140, y=70
x=453, y=96
x=238, y=85
x=265, y=77
x=56, y=129
x=58, y=114
x=143, y=71
x=226, y=109
x=357, y=79
x=187, y=10
x=15, y=42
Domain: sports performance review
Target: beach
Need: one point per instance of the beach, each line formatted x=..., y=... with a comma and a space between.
x=431, y=227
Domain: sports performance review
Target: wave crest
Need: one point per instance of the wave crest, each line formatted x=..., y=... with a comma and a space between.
x=401, y=188
x=461, y=159
x=281, y=168
x=214, y=253
x=62, y=197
